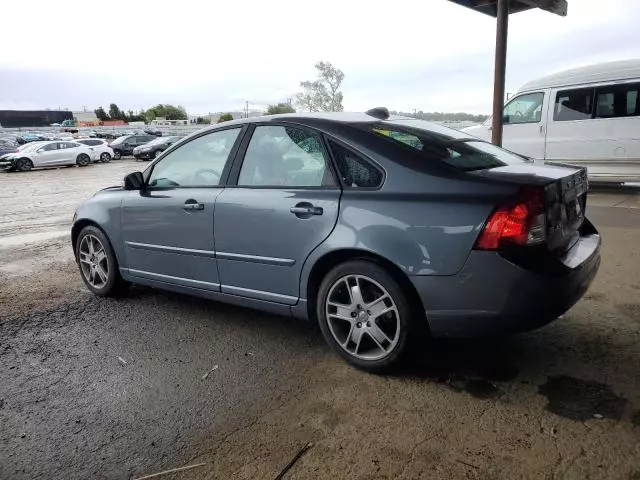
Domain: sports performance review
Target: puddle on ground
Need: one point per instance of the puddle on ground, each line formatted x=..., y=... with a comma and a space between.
x=580, y=399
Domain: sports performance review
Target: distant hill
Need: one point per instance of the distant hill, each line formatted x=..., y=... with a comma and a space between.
x=444, y=116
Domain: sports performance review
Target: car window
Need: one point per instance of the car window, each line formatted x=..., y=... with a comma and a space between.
x=284, y=156
x=198, y=163
x=463, y=154
x=355, y=171
x=617, y=101
x=573, y=105
x=525, y=108
x=50, y=147
x=71, y=145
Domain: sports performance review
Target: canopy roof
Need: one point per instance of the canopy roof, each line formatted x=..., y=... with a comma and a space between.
x=489, y=7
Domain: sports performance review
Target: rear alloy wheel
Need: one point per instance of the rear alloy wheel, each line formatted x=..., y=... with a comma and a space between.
x=24, y=165
x=364, y=315
x=117, y=154
x=97, y=262
x=83, y=160
x=105, y=157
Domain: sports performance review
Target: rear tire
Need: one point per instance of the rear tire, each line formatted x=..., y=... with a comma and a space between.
x=371, y=330
x=97, y=263
x=24, y=165
x=83, y=160
x=105, y=157
x=117, y=154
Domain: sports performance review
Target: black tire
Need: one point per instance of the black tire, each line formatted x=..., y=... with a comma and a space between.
x=105, y=157
x=155, y=154
x=115, y=285
x=404, y=309
x=117, y=154
x=83, y=160
x=24, y=165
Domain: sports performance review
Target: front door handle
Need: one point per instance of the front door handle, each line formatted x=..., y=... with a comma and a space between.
x=306, y=210
x=191, y=205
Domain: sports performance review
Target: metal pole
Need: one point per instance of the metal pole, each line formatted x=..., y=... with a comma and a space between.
x=500, y=70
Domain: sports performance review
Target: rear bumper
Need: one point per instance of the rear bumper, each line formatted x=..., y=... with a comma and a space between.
x=493, y=296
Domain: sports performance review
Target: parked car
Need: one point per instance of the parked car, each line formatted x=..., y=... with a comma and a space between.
x=124, y=145
x=32, y=137
x=101, y=151
x=153, y=131
x=379, y=228
x=587, y=116
x=46, y=154
x=151, y=149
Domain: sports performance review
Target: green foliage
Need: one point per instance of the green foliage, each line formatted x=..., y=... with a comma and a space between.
x=323, y=94
x=169, y=112
x=444, y=116
x=101, y=114
x=279, y=108
x=115, y=113
x=203, y=121
x=225, y=117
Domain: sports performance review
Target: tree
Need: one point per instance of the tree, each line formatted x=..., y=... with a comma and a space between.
x=324, y=93
x=203, y=120
x=101, y=114
x=114, y=112
x=225, y=117
x=279, y=108
x=169, y=112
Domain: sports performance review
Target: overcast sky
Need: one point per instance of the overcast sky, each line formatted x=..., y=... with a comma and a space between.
x=431, y=55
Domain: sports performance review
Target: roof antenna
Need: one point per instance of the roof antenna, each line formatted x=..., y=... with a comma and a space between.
x=381, y=113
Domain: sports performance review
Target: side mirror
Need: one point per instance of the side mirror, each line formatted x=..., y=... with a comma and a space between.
x=133, y=181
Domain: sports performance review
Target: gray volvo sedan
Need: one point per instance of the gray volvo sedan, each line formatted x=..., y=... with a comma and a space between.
x=385, y=230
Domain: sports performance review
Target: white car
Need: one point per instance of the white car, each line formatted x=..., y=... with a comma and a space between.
x=47, y=154
x=102, y=152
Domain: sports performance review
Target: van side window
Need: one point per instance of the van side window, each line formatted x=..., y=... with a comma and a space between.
x=573, y=105
x=525, y=108
x=618, y=101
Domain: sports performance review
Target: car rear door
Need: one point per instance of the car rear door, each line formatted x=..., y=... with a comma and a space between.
x=167, y=227
x=281, y=202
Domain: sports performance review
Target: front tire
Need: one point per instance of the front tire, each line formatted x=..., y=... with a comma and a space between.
x=97, y=262
x=105, y=157
x=83, y=160
x=24, y=165
x=364, y=315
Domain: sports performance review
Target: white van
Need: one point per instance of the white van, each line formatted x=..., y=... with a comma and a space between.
x=587, y=116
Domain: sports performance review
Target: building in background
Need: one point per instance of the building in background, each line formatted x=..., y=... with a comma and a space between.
x=33, y=118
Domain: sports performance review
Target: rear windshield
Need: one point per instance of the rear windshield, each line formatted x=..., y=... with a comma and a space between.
x=444, y=144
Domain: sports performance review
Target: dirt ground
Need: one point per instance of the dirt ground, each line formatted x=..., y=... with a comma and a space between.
x=103, y=388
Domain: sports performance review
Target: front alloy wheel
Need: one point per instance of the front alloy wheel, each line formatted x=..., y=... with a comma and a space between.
x=93, y=261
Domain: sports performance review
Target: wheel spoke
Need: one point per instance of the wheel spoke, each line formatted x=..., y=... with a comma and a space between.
x=84, y=257
x=100, y=255
x=356, y=337
x=90, y=245
x=101, y=273
x=378, y=334
x=356, y=293
x=378, y=305
x=92, y=276
x=351, y=329
x=343, y=312
x=375, y=340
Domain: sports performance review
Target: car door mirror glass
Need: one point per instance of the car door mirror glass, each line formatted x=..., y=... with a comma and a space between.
x=133, y=181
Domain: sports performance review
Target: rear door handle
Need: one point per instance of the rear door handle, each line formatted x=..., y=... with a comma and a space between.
x=306, y=210
x=191, y=205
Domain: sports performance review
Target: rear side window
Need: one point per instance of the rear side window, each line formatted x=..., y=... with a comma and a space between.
x=618, y=101
x=464, y=154
x=573, y=105
x=355, y=171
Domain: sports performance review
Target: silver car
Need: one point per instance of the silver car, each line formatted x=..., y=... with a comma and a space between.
x=384, y=230
x=47, y=154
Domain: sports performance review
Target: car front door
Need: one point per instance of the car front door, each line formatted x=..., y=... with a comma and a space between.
x=281, y=202
x=524, y=131
x=48, y=155
x=167, y=226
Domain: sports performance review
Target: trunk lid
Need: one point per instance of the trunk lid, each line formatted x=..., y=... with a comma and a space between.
x=565, y=196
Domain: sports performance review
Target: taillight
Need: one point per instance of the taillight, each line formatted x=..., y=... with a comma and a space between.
x=520, y=221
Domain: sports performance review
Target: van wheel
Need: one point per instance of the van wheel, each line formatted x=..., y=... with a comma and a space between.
x=364, y=315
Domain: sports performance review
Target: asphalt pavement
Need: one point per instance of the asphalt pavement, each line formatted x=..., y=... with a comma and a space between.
x=122, y=388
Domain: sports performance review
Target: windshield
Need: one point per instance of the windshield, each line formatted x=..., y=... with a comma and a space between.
x=444, y=144
x=119, y=140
